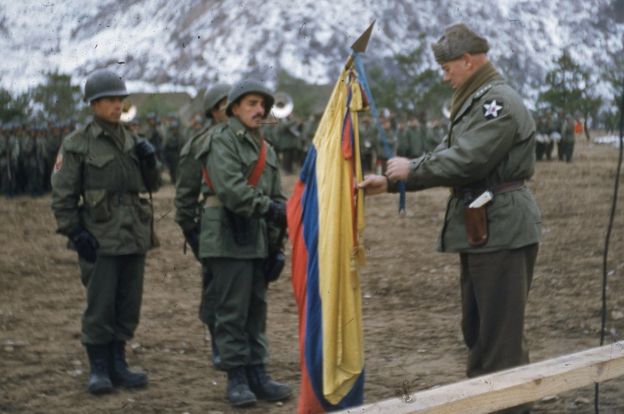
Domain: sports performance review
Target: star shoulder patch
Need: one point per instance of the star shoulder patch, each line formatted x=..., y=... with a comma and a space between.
x=491, y=109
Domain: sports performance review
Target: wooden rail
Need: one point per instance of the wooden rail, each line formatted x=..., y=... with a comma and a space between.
x=511, y=387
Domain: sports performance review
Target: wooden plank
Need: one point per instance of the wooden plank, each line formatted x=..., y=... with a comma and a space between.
x=511, y=387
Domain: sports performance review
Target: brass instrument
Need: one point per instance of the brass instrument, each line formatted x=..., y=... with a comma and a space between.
x=283, y=105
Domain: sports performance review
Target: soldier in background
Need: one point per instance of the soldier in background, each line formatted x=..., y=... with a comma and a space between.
x=566, y=145
x=99, y=175
x=368, y=136
x=41, y=154
x=29, y=162
x=307, y=132
x=154, y=134
x=187, y=199
x=289, y=138
x=5, y=172
x=542, y=138
x=171, y=151
x=14, y=149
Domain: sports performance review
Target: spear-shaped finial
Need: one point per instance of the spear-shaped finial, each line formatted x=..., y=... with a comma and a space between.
x=362, y=42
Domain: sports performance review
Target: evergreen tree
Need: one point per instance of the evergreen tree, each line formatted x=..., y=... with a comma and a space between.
x=570, y=88
x=13, y=108
x=58, y=97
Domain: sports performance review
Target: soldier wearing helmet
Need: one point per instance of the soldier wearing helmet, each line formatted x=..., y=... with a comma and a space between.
x=241, y=223
x=100, y=174
x=188, y=191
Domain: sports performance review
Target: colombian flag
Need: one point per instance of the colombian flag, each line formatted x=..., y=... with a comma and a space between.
x=325, y=221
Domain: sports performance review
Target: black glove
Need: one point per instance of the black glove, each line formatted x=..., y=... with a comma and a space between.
x=192, y=238
x=273, y=265
x=86, y=245
x=277, y=214
x=146, y=152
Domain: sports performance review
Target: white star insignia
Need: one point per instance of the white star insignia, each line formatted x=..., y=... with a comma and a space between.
x=490, y=109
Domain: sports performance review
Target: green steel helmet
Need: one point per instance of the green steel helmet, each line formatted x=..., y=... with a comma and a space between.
x=214, y=95
x=103, y=83
x=246, y=86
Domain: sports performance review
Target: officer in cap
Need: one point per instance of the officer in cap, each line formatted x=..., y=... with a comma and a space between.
x=243, y=216
x=188, y=192
x=488, y=154
x=100, y=173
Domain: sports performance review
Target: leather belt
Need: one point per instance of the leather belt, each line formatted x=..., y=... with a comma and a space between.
x=505, y=187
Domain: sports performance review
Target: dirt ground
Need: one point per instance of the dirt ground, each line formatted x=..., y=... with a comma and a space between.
x=411, y=303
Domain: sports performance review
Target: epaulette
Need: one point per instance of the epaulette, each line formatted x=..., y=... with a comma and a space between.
x=478, y=94
x=205, y=148
x=76, y=141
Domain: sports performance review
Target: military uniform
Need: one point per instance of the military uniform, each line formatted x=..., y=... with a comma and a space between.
x=234, y=236
x=566, y=146
x=99, y=175
x=241, y=223
x=187, y=201
x=96, y=185
x=490, y=146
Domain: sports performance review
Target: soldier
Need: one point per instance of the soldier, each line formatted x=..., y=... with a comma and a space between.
x=566, y=145
x=98, y=177
x=154, y=134
x=14, y=151
x=5, y=173
x=171, y=151
x=188, y=191
x=490, y=147
x=240, y=235
x=289, y=138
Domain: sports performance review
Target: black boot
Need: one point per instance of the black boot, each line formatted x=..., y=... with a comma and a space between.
x=264, y=387
x=238, y=392
x=120, y=374
x=99, y=381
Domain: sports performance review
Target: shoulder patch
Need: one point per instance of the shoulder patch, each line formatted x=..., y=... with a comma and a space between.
x=492, y=108
x=58, y=164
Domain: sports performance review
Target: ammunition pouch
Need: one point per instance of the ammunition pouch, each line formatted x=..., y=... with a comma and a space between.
x=244, y=230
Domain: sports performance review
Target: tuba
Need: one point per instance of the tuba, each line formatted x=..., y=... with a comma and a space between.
x=283, y=105
x=128, y=112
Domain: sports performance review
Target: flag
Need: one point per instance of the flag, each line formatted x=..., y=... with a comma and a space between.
x=325, y=221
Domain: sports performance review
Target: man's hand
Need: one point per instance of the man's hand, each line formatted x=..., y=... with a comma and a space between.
x=277, y=213
x=146, y=152
x=374, y=184
x=192, y=238
x=398, y=169
x=86, y=245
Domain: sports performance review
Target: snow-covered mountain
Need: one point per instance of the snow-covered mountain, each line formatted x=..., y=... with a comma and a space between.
x=187, y=44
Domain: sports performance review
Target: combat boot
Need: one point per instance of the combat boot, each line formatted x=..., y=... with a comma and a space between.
x=264, y=387
x=120, y=374
x=238, y=392
x=99, y=380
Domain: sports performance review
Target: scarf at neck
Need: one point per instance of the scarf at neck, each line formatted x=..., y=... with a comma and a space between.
x=484, y=74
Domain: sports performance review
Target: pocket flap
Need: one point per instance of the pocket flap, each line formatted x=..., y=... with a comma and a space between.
x=99, y=160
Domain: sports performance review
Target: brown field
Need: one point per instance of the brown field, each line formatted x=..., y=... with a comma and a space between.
x=411, y=303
